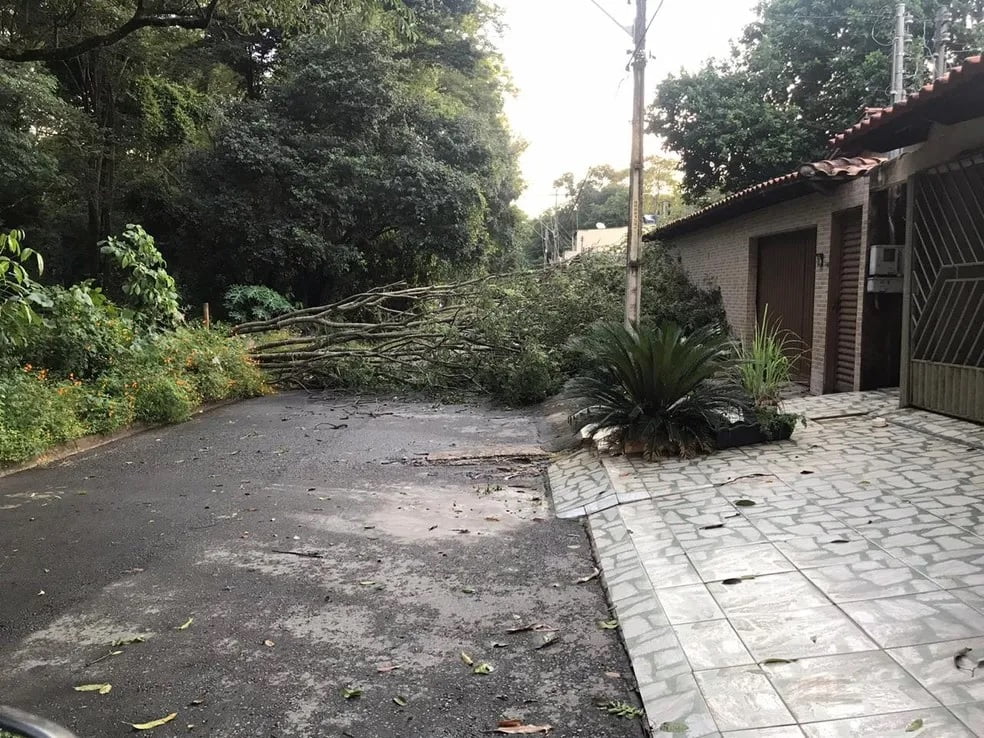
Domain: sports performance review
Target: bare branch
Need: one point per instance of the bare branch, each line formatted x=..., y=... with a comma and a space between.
x=200, y=20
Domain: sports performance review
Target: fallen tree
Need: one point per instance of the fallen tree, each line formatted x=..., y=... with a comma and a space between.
x=422, y=337
x=508, y=336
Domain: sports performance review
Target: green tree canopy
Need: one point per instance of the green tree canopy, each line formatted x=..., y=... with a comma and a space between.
x=804, y=70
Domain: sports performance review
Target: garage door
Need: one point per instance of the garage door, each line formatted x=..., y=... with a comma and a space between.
x=946, y=291
x=786, y=270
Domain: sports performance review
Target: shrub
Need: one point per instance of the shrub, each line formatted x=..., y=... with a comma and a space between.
x=164, y=399
x=149, y=290
x=245, y=303
x=36, y=412
x=765, y=364
x=660, y=386
x=79, y=333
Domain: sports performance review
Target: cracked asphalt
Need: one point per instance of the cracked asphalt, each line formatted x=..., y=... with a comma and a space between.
x=320, y=543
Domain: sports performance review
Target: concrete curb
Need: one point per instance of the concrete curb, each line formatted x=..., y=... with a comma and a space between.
x=88, y=443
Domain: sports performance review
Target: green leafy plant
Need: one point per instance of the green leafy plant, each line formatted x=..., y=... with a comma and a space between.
x=765, y=363
x=622, y=709
x=776, y=425
x=661, y=387
x=244, y=303
x=149, y=289
x=20, y=295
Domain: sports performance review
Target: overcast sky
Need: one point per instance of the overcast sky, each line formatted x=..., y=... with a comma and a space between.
x=574, y=105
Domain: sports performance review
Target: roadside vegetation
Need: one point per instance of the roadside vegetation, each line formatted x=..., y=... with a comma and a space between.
x=92, y=358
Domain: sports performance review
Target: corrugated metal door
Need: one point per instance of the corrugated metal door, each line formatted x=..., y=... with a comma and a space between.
x=846, y=318
x=946, y=290
x=786, y=273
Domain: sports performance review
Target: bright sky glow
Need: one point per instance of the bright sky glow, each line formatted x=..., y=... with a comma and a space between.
x=574, y=105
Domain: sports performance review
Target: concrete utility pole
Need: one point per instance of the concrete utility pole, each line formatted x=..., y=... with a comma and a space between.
x=941, y=37
x=633, y=270
x=898, y=54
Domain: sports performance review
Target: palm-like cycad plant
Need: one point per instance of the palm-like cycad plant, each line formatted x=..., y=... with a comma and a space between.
x=663, y=387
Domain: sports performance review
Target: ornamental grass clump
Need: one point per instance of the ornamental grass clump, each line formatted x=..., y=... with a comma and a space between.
x=663, y=388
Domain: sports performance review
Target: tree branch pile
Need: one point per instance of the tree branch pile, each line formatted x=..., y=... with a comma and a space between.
x=436, y=336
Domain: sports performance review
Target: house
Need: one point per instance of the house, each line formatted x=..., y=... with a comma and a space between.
x=874, y=258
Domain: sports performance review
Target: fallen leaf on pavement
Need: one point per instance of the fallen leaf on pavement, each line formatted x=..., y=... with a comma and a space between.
x=401, y=701
x=608, y=624
x=914, y=725
x=483, y=668
x=268, y=643
x=186, y=624
x=387, y=668
x=514, y=727
x=154, y=723
x=548, y=640
x=367, y=583
x=100, y=688
x=529, y=627
x=129, y=641
x=592, y=575
x=613, y=675
x=466, y=659
x=352, y=693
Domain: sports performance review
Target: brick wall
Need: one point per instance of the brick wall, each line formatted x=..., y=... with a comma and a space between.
x=725, y=255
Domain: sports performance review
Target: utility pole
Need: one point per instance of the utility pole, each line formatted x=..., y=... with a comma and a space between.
x=898, y=54
x=941, y=37
x=633, y=270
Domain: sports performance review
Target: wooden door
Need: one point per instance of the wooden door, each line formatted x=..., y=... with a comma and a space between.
x=786, y=276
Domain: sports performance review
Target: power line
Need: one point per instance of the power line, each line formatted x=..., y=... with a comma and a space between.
x=610, y=16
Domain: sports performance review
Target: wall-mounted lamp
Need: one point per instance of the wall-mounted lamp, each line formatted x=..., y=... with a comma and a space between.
x=821, y=260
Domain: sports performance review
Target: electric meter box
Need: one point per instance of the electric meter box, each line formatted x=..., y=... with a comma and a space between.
x=885, y=261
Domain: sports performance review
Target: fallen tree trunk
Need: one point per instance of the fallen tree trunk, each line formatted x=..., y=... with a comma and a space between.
x=432, y=336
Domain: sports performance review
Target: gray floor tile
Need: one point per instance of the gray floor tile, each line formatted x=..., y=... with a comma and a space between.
x=722, y=532
x=689, y=604
x=677, y=700
x=936, y=723
x=738, y=561
x=846, y=686
x=869, y=580
x=916, y=619
x=971, y=715
x=795, y=634
x=786, y=731
x=712, y=644
x=769, y=593
x=741, y=698
x=933, y=665
x=670, y=571
x=842, y=547
x=973, y=596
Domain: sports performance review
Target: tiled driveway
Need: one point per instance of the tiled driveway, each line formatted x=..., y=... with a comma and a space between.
x=822, y=587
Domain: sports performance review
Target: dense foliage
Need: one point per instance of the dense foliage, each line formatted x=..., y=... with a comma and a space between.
x=804, y=70
x=665, y=388
x=533, y=321
x=311, y=147
x=74, y=362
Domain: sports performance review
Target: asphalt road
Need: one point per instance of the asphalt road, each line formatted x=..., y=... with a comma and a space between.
x=414, y=551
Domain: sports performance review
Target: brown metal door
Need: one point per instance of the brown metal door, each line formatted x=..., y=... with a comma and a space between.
x=786, y=271
x=848, y=272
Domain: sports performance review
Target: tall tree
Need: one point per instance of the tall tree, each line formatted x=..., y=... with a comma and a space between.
x=802, y=71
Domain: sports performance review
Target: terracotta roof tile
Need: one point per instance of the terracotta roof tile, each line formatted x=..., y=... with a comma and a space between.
x=829, y=169
x=877, y=117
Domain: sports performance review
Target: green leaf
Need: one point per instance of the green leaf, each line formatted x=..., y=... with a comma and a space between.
x=401, y=701
x=673, y=727
x=100, y=688
x=622, y=710
x=483, y=668
x=352, y=693
x=186, y=625
x=745, y=503
x=779, y=661
x=128, y=641
x=154, y=723
x=914, y=726
x=608, y=624
x=466, y=659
